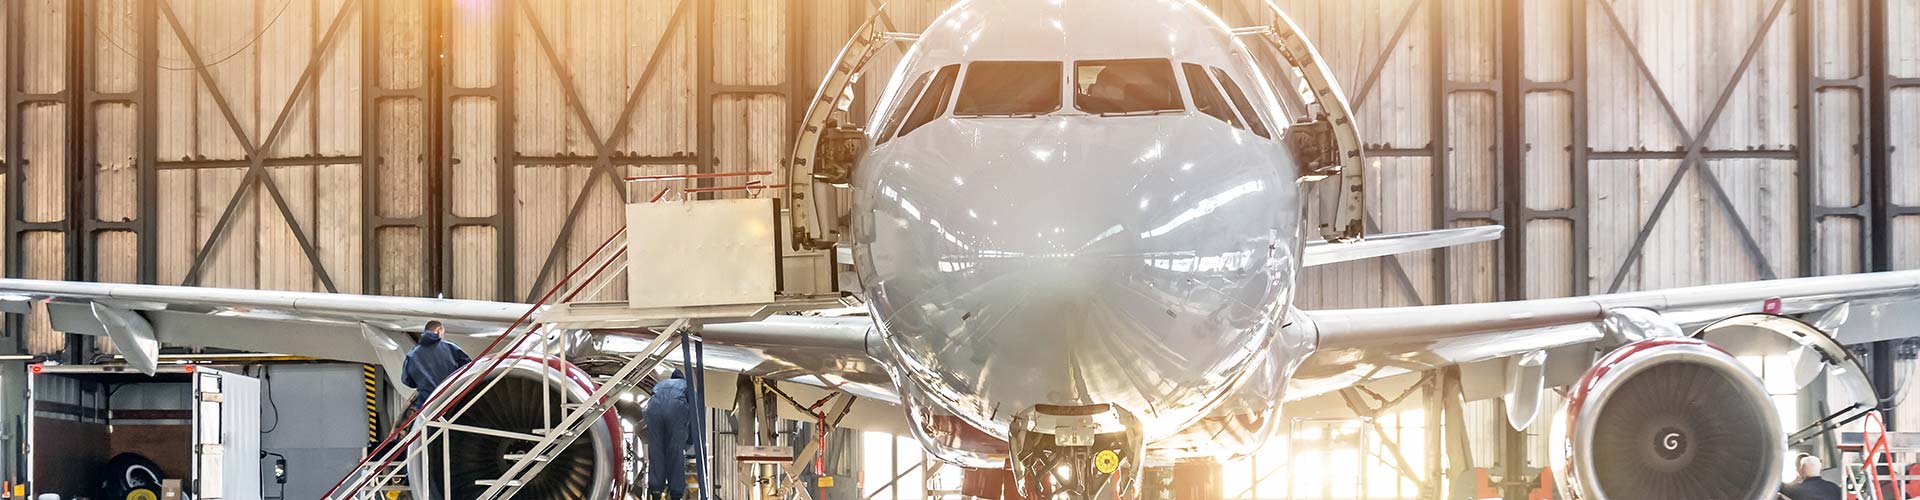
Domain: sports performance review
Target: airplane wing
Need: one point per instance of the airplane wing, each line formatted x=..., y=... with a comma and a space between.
x=1322, y=252
x=824, y=352
x=1359, y=345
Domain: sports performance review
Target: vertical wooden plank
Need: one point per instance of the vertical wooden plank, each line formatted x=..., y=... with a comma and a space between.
x=471, y=27
x=1764, y=194
x=1838, y=143
x=1760, y=114
x=222, y=32
x=475, y=256
x=1903, y=122
x=1840, y=237
x=1397, y=114
x=337, y=229
x=1903, y=42
x=663, y=121
x=540, y=207
x=176, y=102
x=1673, y=256
x=283, y=264
x=43, y=158
x=1548, y=151
x=1613, y=215
x=46, y=260
x=1907, y=229
x=1406, y=204
x=115, y=176
x=338, y=202
x=44, y=162
x=1473, y=178
x=599, y=218
x=400, y=257
x=233, y=261
x=6, y=30
x=44, y=58
x=540, y=117
x=1548, y=35
x=5, y=237
x=285, y=49
x=401, y=191
x=1549, y=259
x=177, y=233
x=1474, y=270
x=1836, y=38
x=475, y=158
x=1633, y=117
x=116, y=36
x=594, y=46
x=402, y=187
x=749, y=41
x=337, y=104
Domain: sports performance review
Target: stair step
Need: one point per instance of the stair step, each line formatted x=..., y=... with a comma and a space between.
x=491, y=482
x=522, y=456
x=543, y=432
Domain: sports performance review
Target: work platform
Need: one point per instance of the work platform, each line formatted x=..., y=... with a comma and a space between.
x=688, y=262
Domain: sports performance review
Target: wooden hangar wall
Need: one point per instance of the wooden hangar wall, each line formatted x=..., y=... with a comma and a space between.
x=474, y=148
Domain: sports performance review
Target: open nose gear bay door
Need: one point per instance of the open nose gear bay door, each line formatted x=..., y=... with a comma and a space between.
x=827, y=146
x=1328, y=143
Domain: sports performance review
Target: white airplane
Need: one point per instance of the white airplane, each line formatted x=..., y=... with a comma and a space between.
x=1078, y=228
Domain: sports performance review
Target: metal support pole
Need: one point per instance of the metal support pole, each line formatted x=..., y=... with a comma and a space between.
x=1879, y=170
x=699, y=376
x=691, y=354
x=1512, y=206
x=1513, y=156
x=1435, y=409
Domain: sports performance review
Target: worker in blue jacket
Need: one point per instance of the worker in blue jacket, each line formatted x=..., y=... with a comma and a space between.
x=431, y=361
x=670, y=426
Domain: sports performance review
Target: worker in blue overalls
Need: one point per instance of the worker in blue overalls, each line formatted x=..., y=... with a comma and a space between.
x=670, y=427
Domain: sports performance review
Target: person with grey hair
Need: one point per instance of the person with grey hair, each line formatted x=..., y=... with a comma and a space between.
x=1808, y=485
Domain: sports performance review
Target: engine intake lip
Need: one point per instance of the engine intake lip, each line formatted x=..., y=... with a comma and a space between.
x=1602, y=383
x=602, y=438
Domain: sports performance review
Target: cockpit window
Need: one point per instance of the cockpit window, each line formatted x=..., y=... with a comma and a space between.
x=902, y=105
x=933, y=103
x=1010, y=88
x=1240, y=102
x=1206, y=98
x=1125, y=87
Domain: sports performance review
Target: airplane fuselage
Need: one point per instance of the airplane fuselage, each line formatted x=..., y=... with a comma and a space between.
x=1078, y=202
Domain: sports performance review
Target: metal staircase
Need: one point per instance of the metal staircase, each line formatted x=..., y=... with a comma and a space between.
x=579, y=416
x=439, y=418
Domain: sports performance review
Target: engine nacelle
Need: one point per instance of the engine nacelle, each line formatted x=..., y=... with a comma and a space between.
x=589, y=469
x=1669, y=418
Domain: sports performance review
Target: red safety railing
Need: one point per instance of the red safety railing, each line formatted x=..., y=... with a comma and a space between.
x=392, y=449
x=751, y=187
x=1878, y=452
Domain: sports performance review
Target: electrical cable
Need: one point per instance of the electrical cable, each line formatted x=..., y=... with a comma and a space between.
x=1903, y=384
x=236, y=52
x=266, y=379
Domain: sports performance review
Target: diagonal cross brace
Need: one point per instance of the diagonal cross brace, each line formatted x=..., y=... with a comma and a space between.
x=1695, y=145
x=603, y=152
x=256, y=153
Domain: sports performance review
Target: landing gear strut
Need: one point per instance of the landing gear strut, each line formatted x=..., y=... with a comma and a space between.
x=1077, y=452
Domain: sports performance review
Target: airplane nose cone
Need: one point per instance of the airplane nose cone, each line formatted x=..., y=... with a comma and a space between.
x=1141, y=272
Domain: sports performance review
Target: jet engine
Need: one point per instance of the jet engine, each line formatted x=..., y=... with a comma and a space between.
x=1669, y=418
x=588, y=469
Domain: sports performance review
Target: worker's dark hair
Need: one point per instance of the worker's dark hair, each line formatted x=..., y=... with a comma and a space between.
x=431, y=325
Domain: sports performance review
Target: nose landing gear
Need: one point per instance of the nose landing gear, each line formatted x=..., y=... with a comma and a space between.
x=1077, y=452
